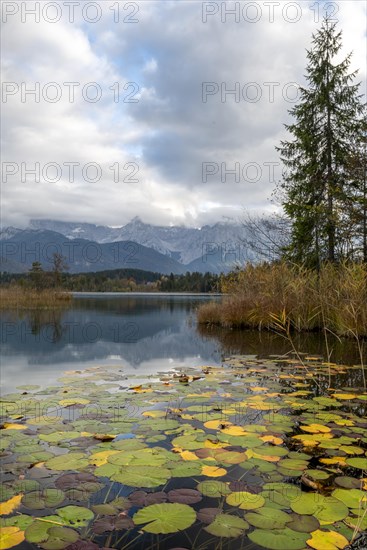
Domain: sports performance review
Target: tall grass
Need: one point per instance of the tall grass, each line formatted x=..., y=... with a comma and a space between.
x=16, y=297
x=333, y=300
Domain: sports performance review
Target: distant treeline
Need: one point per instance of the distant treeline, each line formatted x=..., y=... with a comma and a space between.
x=116, y=280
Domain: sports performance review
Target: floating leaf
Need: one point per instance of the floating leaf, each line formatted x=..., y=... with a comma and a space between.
x=21, y=521
x=293, y=464
x=347, y=482
x=142, y=476
x=75, y=516
x=315, y=428
x=10, y=426
x=39, y=500
x=303, y=524
x=317, y=474
x=10, y=536
x=360, y=463
x=268, y=518
x=226, y=525
x=112, y=523
x=59, y=538
x=165, y=518
x=82, y=480
x=345, y=396
x=325, y=509
x=10, y=505
x=327, y=540
x=279, y=539
x=213, y=488
x=37, y=532
x=207, y=515
x=245, y=500
x=213, y=471
x=272, y=439
x=70, y=461
x=184, y=496
x=73, y=401
x=353, y=498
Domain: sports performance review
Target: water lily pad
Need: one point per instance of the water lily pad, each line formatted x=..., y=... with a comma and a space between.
x=327, y=540
x=39, y=500
x=10, y=537
x=10, y=505
x=110, y=523
x=213, y=471
x=213, y=488
x=144, y=457
x=326, y=509
x=347, y=482
x=37, y=531
x=317, y=474
x=279, y=539
x=208, y=515
x=59, y=538
x=226, y=525
x=353, y=498
x=245, y=500
x=70, y=461
x=187, y=469
x=268, y=518
x=142, y=476
x=165, y=518
x=141, y=498
x=83, y=481
x=302, y=523
x=75, y=516
x=184, y=496
x=360, y=463
x=21, y=521
x=293, y=464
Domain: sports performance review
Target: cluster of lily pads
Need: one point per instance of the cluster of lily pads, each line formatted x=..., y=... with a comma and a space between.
x=259, y=453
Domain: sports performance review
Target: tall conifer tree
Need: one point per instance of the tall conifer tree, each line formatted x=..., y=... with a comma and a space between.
x=326, y=131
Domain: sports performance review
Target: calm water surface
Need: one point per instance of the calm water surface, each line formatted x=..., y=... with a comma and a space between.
x=143, y=334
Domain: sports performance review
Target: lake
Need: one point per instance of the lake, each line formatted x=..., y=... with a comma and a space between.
x=142, y=333
x=163, y=434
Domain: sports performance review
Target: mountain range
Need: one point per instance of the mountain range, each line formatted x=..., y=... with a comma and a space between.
x=87, y=247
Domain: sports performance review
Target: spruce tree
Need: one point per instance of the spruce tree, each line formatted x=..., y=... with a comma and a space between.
x=316, y=182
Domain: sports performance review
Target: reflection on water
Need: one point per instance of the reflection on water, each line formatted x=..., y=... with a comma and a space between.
x=143, y=334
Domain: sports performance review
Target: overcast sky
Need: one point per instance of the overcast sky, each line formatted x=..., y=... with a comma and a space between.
x=163, y=121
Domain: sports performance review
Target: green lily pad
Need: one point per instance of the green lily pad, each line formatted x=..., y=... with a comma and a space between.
x=37, y=531
x=185, y=469
x=22, y=521
x=326, y=509
x=39, y=500
x=69, y=461
x=75, y=516
x=360, y=463
x=189, y=442
x=226, y=525
x=279, y=539
x=213, y=488
x=353, y=498
x=245, y=500
x=59, y=538
x=317, y=474
x=142, y=476
x=165, y=518
x=268, y=518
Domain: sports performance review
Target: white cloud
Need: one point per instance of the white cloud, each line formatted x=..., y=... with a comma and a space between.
x=169, y=132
